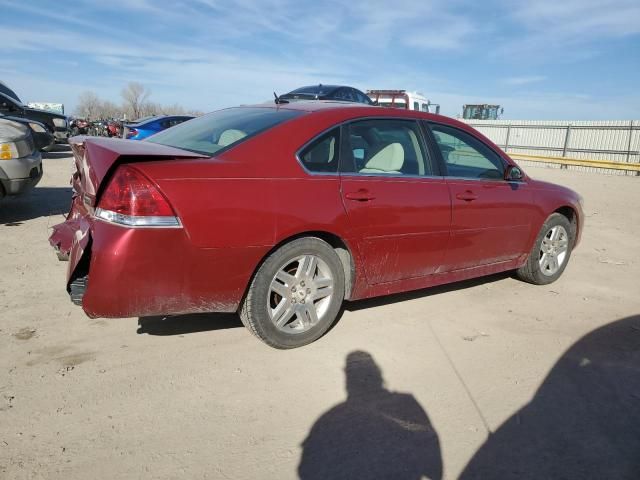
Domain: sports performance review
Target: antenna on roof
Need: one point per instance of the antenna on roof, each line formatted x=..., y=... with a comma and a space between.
x=279, y=100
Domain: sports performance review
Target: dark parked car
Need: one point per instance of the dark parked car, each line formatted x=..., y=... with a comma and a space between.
x=12, y=106
x=280, y=212
x=148, y=126
x=327, y=92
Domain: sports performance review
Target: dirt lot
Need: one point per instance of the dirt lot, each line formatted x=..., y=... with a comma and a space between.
x=484, y=379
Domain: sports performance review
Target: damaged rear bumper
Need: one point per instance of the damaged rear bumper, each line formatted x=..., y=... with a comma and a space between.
x=116, y=271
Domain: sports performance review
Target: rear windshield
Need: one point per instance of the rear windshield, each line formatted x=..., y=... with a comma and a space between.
x=211, y=133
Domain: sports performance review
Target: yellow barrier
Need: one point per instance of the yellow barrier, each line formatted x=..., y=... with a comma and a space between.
x=633, y=167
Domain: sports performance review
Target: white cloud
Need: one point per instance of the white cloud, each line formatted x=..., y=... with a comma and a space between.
x=526, y=80
x=571, y=30
x=546, y=106
x=582, y=20
x=238, y=52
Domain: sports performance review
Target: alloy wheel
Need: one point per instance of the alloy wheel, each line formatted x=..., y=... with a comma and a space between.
x=553, y=250
x=300, y=294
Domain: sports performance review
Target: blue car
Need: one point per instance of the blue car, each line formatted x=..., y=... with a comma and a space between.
x=147, y=126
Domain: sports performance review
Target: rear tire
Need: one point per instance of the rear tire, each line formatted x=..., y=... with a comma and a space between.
x=550, y=253
x=296, y=294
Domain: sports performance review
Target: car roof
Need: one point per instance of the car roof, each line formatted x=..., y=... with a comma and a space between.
x=354, y=110
x=308, y=105
x=7, y=91
x=322, y=105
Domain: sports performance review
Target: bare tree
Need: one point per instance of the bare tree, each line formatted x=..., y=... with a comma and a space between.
x=89, y=105
x=135, y=96
x=110, y=110
x=174, y=109
x=135, y=105
x=149, y=108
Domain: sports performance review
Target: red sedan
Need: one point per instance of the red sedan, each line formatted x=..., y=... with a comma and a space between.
x=282, y=212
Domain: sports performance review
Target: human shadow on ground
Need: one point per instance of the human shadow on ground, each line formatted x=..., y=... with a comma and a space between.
x=374, y=434
x=584, y=420
x=39, y=202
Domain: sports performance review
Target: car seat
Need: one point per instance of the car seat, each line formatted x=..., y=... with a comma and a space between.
x=230, y=136
x=388, y=159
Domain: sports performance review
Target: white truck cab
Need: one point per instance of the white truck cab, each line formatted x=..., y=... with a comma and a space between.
x=403, y=99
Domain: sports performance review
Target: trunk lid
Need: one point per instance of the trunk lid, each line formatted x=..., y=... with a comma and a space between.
x=96, y=159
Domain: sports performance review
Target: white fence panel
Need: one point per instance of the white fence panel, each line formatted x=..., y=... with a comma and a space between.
x=616, y=141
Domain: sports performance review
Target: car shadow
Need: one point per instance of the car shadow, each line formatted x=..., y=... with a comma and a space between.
x=583, y=421
x=203, y=322
x=39, y=202
x=56, y=155
x=185, y=324
x=425, y=292
x=61, y=147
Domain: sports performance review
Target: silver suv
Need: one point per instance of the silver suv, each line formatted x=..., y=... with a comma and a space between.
x=20, y=160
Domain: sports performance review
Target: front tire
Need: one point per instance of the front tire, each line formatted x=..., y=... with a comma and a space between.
x=551, y=252
x=296, y=294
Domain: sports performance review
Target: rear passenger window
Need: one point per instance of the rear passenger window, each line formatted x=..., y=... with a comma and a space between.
x=322, y=154
x=386, y=147
x=172, y=122
x=361, y=97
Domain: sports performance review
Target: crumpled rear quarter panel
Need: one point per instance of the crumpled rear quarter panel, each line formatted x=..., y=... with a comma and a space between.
x=146, y=271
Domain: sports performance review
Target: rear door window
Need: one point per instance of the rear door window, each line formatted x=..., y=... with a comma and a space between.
x=386, y=147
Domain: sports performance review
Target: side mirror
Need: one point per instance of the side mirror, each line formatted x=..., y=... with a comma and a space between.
x=513, y=174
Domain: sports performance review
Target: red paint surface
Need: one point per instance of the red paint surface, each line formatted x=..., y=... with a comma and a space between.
x=235, y=208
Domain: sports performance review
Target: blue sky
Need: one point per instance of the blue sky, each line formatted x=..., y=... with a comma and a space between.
x=540, y=59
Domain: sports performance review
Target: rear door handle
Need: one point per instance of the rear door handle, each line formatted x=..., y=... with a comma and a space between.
x=467, y=196
x=362, y=195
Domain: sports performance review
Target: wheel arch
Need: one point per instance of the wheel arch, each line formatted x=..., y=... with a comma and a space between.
x=341, y=247
x=572, y=215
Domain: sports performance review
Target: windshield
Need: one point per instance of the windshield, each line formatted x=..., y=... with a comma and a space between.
x=9, y=93
x=396, y=104
x=314, y=90
x=211, y=133
x=11, y=100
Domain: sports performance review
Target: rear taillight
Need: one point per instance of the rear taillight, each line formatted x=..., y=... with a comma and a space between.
x=132, y=133
x=131, y=199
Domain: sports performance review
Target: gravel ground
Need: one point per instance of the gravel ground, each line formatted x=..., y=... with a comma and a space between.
x=491, y=378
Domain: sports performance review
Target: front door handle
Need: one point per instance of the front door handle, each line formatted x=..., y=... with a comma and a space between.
x=362, y=195
x=467, y=196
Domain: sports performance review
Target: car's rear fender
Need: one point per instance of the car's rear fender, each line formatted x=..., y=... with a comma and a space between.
x=146, y=271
